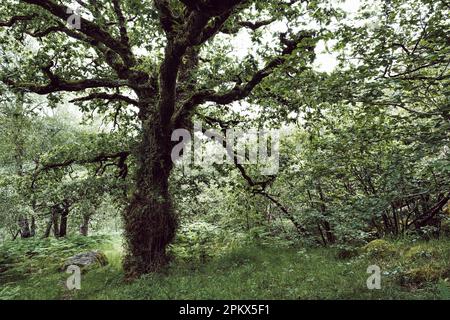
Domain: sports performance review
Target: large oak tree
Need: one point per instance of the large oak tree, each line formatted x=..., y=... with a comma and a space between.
x=165, y=59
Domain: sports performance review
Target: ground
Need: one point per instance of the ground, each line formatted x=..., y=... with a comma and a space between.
x=410, y=270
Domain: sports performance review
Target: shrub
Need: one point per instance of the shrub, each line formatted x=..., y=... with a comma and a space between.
x=346, y=252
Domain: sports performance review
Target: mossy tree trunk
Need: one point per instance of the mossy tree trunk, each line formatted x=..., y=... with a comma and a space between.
x=150, y=220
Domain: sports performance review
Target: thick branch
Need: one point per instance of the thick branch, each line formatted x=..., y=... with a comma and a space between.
x=166, y=17
x=122, y=23
x=211, y=7
x=107, y=96
x=15, y=19
x=57, y=85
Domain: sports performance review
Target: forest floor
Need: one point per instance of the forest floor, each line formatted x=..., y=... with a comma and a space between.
x=30, y=269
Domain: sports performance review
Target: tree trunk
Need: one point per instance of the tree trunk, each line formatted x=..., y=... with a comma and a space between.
x=150, y=221
x=55, y=222
x=329, y=232
x=48, y=227
x=33, y=227
x=84, y=228
x=63, y=223
x=326, y=225
x=25, y=231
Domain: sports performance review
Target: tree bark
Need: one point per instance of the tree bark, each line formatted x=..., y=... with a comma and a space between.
x=65, y=209
x=33, y=227
x=84, y=228
x=48, y=227
x=25, y=231
x=63, y=224
x=150, y=221
x=55, y=221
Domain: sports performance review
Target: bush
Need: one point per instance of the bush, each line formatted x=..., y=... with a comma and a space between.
x=201, y=241
x=346, y=252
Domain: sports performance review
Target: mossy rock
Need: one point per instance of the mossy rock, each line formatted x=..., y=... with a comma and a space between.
x=421, y=252
x=419, y=276
x=380, y=249
x=87, y=260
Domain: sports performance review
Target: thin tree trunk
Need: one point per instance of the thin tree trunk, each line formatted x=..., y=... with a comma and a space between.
x=55, y=222
x=84, y=228
x=321, y=235
x=48, y=227
x=326, y=225
x=33, y=226
x=63, y=224
x=329, y=232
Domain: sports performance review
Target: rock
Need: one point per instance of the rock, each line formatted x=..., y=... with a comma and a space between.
x=379, y=249
x=419, y=276
x=422, y=252
x=87, y=260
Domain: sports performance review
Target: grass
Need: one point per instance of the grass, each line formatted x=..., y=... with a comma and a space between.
x=253, y=272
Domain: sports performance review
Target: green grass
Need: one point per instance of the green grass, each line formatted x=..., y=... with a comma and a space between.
x=254, y=272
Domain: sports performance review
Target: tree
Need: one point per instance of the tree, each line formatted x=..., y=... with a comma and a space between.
x=167, y=83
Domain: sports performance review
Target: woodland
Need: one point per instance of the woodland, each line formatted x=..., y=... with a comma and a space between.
x=93, y=94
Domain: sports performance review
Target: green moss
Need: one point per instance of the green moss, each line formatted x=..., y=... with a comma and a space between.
x=380, y=249
x=423, y=252
x=425, y=274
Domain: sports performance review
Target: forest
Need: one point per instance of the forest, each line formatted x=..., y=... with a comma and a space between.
x=224, y=149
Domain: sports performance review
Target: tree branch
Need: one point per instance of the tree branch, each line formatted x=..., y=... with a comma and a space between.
x=57, y=84
x=106, y=96
x=15, y=19
x=122, y=23
x=240, y=91
x=88, y=28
